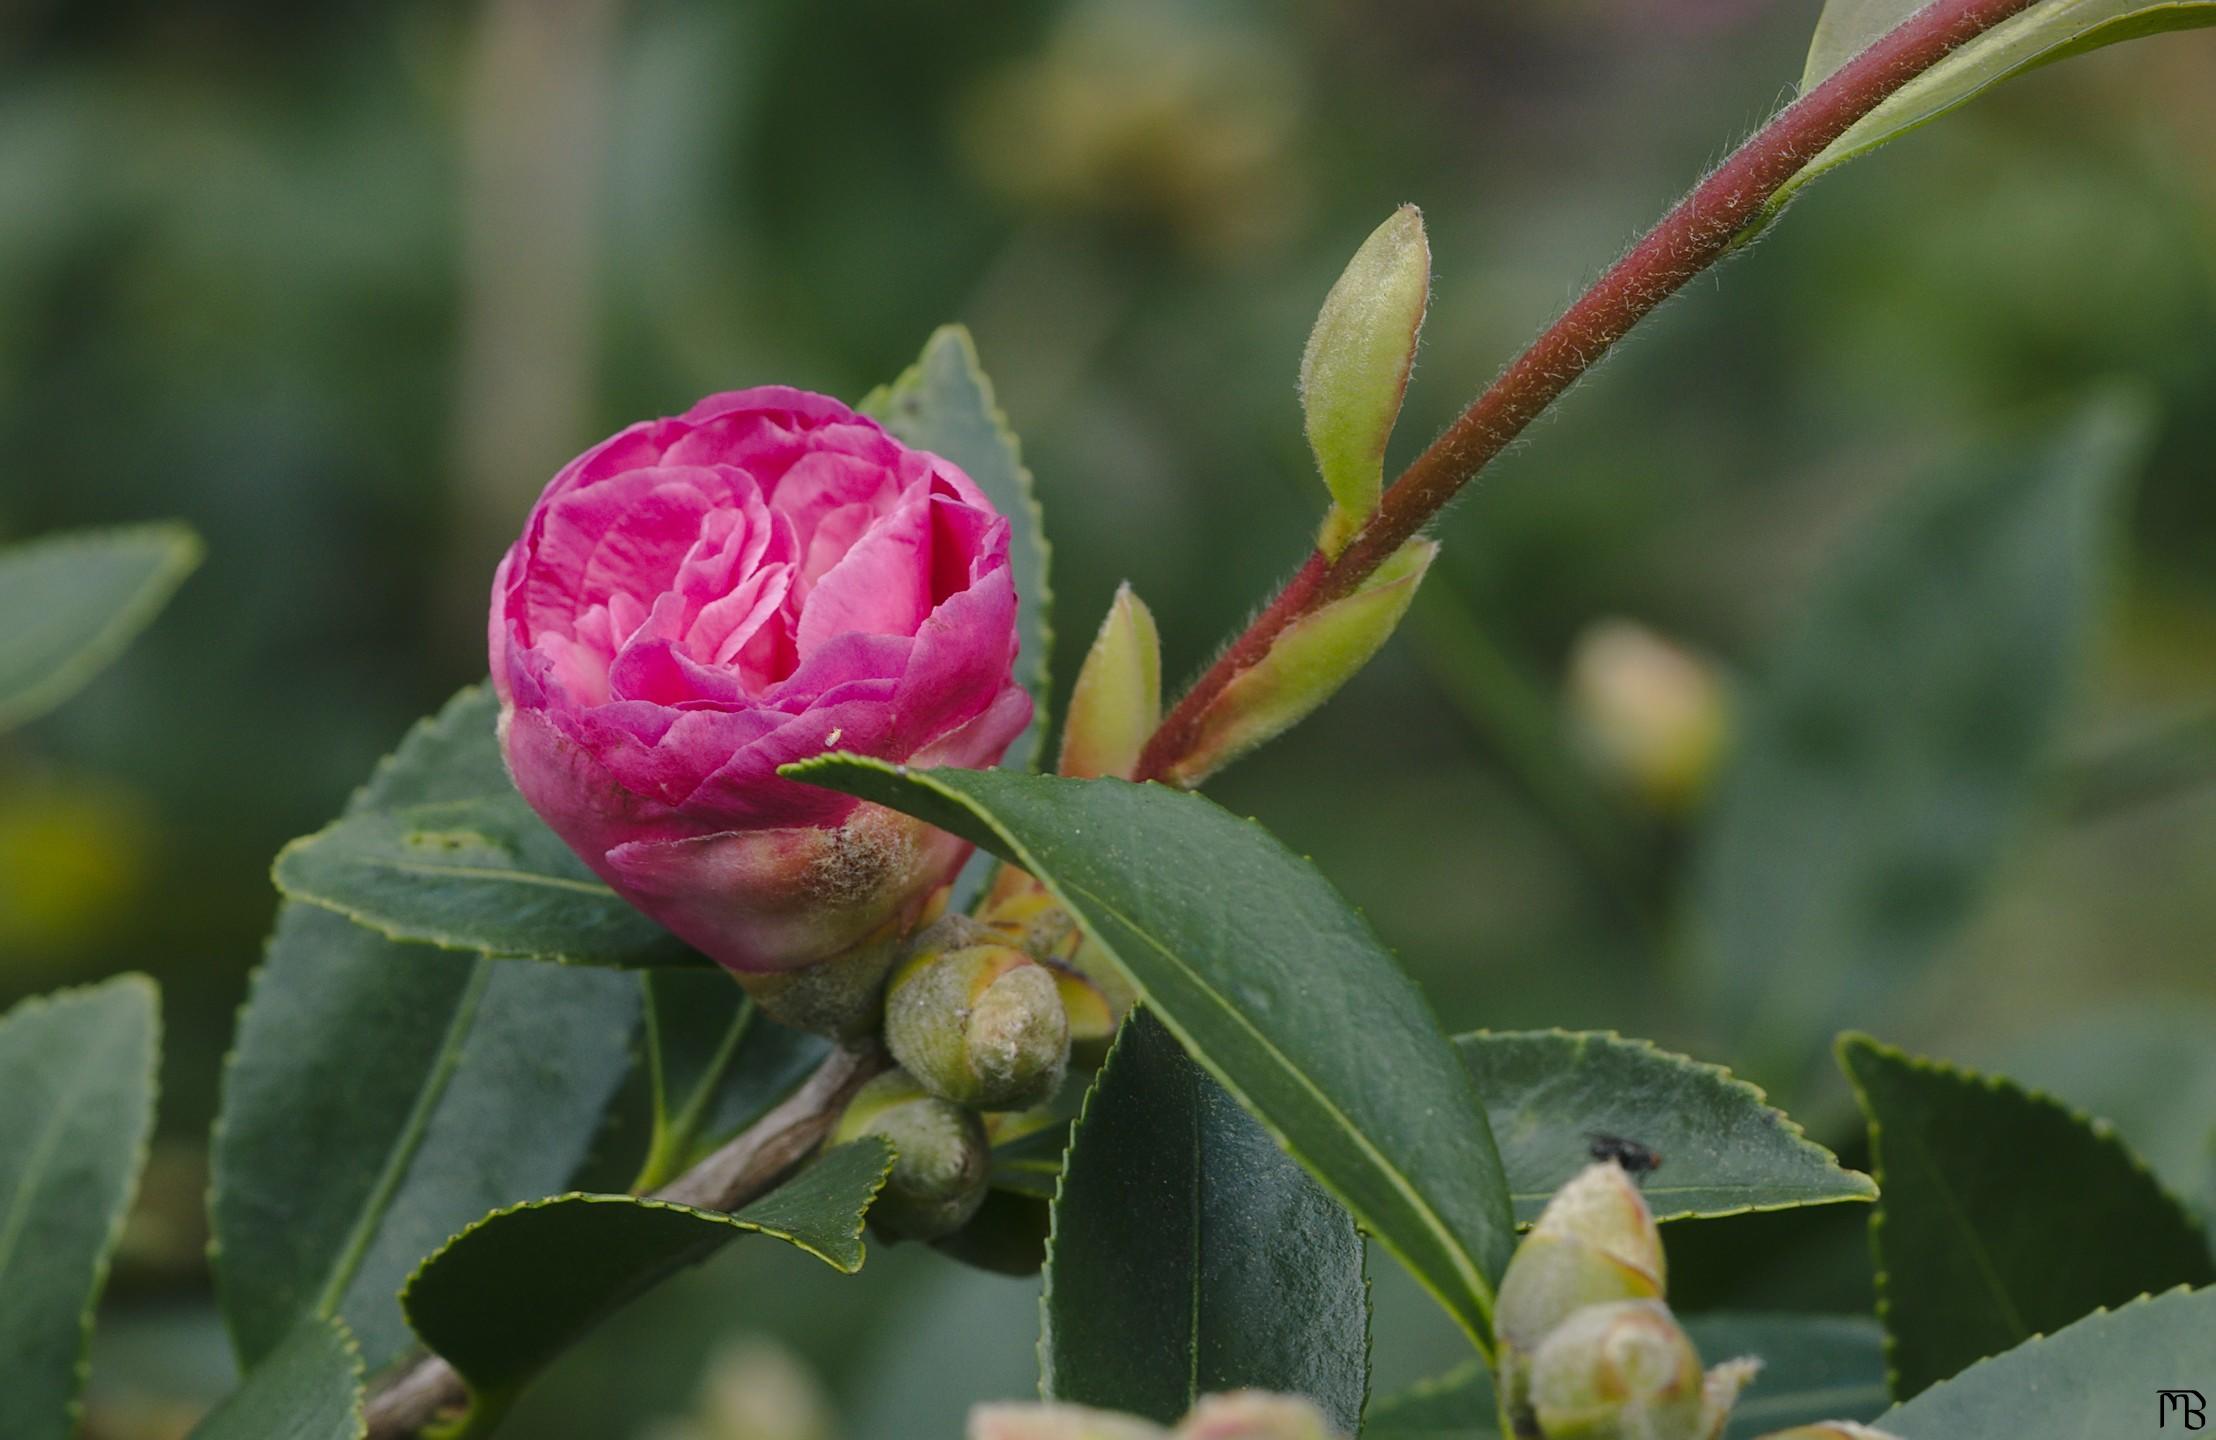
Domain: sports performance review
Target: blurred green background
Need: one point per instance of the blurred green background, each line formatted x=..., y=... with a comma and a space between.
x=340, y=284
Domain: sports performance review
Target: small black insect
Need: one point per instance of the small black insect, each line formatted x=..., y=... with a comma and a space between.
x=1636, y=1159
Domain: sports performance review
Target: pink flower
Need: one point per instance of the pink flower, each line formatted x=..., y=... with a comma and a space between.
x=697, y=601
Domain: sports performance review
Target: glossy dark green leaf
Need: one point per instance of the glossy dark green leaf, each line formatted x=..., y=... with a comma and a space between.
x=382, y=1096
x=74, y=600
x=1189, y=1255
x=1270, y=980
x=308, y=1388
x=457, y=860
x=2045, y=32
x=715, y=1064
x=2100, y=1377
x=1814, y=1367
x=1885, y=760
x=76, y=1107
x=2005, y=1215
x=944, y=404
x=508, y=1294
x=1724, y=1149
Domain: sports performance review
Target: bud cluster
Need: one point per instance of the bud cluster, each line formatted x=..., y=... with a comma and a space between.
x=1587, y=1346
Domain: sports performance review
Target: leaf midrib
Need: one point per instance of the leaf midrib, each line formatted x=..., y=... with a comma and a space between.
x=42, y=1155
x=1469, y=1273
x=348, y=1262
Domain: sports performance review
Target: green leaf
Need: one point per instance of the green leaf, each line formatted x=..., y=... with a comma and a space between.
x=1814, y=1367
x=2098, y=1377
x=74, y=600
x=505, y=1296
x=453, y=858
x=1886, y=758
x=2004, y=1214
x=1269, y=980
x=1724, y=1149
x=76, y=1106
x=944, y=404
x=381, y=1096
x=2046, y=32
x=715, y=1065
x=308, y=1388
x=1189, y=1255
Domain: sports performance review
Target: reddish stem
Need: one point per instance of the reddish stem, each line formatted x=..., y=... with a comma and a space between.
x=1695, y=234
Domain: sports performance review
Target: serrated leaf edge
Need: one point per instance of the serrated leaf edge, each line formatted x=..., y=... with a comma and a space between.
x=104, y=1258
x=1792, y=1129
x=183, y=556
x=1027, y=488
x=2101, y=1130
x=2041, y=1338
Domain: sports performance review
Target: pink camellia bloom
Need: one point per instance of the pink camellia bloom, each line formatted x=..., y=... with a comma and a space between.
x=697, y=601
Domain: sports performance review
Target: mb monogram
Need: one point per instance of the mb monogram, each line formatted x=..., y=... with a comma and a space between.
x=2187, y=1406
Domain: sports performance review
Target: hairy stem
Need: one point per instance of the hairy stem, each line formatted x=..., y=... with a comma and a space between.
x=743, y=1170
x=1695, y=234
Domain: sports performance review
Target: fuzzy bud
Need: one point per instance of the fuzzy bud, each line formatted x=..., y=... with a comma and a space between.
x=981, y=1024
x=1118, y=699
x=940, y=1163
x=1650, y=715
x=1354, y=372
x=1057, y=1422
x=1620, y=1371
x=1595, y=1243
x=1255, y=1415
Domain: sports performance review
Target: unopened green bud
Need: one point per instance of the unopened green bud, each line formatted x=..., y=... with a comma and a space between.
x=1831, y=1430
x=1650, y=715
x=1118, y=699
x=1355, y=369
x=980, y=1024
x=1595, y=1242
x=1017, y=910
x=1255, y=1415
x=1305, y=666
x=758, y=1390
x=940, y=1156
x=1057, y=1422
x=1621, y=1371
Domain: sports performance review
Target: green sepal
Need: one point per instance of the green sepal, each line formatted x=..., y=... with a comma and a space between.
x=1118, y=699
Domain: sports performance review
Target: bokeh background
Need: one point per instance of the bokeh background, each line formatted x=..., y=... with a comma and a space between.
x=340, y=284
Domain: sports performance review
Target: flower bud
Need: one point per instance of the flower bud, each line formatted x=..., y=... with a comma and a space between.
x=1620, y=1371
x=1019, y=912
x=758, y=1390
x=700, y=600
x=1118, y=698
x=1057, y=1422
x=940, y=1156
x=1255, y=1415
x=981, y=1024
x=1650, y=715
x=1305, y=666
x=1355, y=369
x=1595, y=1243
